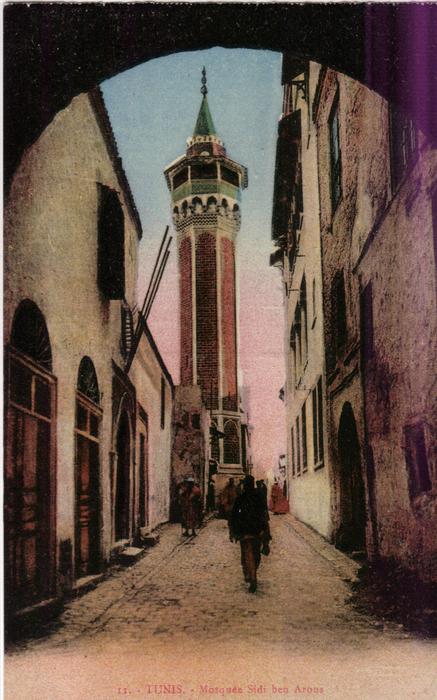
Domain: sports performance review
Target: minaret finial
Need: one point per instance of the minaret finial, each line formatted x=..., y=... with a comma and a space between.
x=204, y=89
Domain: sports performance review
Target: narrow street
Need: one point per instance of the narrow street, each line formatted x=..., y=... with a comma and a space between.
x=182, y=616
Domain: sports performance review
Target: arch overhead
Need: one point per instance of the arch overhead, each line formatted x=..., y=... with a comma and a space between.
x=388, y=47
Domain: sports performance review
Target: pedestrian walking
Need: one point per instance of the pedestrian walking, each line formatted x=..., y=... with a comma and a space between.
x=210, y=497
x=248, y=525
x=190, y=504
x=227, y=499
x=260, y=485
x=278, y=503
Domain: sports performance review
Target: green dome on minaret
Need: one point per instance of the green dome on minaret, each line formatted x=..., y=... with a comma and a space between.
x=204, y=124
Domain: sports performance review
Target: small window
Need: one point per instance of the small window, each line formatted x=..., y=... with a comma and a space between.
x=304, y=439
x=195, y=421
x=304, y=320
x=110, y=258
x=338, y=311
x=403, y=143
x=204, y=171
x=230, y=176
x=231, y=444
x=416, y=459
x=366, y=321
x=162, y=403
x=180, y=178
x=314, y=300
x=298, y=455
x=335, y=153
x=317, y=406
x=293, y=453
x=215, y=445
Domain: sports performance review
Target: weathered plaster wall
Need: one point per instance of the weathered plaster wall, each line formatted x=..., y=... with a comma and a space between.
x=51, y=258
x=364, y=182
x=401, y=376
x=310, y=493
x=146, y=375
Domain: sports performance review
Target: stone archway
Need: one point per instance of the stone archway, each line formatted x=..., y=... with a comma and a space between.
x=352, y=531
x=388, y=47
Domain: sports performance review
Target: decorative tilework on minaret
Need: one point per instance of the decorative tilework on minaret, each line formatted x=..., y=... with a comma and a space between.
x=206, y=185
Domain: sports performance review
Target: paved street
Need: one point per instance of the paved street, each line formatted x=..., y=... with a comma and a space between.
x=182, y=617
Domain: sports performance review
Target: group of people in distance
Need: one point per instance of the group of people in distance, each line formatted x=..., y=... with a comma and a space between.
x=245, y=508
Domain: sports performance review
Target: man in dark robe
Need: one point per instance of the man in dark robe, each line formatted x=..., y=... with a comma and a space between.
x=190, y=504
x=248, y=525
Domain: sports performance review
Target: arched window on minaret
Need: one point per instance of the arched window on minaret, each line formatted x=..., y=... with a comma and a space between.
x=231, y=443
x=197, y=205
x=211, y=204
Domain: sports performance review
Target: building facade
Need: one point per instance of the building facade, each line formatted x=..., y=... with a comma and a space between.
x=87, y=462
x=376, y=196
x=205, y=186
x=296, y=233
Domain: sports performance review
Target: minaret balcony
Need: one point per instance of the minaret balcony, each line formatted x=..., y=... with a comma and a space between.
x=206, y=187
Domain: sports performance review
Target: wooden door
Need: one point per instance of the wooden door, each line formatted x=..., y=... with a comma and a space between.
x=87, y=544
x=123, y=482
x=143, y=452
x=29, y=483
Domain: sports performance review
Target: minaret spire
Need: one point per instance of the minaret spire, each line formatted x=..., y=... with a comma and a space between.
x=204, y=124
x=204, y=89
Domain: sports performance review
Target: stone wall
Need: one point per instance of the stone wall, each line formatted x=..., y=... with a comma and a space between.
x=190, y=442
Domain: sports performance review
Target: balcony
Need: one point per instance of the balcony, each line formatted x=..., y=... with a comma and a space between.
x=218, y=187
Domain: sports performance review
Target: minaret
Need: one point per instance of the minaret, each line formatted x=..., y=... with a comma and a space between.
x=205, y=186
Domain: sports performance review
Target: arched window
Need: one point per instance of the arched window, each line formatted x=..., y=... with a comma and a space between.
x=87, y=380
x=197, y=205
x=30, y=334
x=87, y=428
x=184, y=208
x=211, y=204
x=231, y=443
x=30, y=485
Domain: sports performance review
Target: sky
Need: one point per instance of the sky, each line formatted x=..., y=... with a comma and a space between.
x=153, y=109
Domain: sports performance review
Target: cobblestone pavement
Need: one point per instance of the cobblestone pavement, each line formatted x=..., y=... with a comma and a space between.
x=181, y=621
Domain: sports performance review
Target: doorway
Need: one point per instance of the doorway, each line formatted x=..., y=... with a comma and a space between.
x=87, y=428
x=122, y=485
x=30, y=482
x=352, y=532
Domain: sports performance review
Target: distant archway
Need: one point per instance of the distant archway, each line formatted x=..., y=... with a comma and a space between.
x=352, y=531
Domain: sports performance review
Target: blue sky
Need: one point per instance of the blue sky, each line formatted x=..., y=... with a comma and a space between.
x=153, y=109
